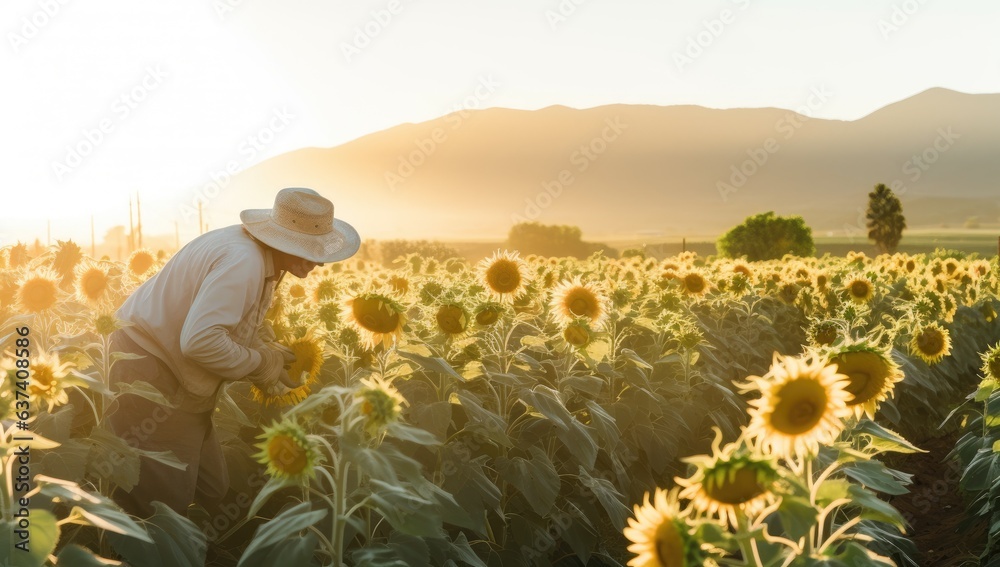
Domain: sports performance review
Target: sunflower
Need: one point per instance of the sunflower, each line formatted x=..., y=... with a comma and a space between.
x=694, y=284
x=68, y=254
x=859, y=289
x=740, y=267
x=17, y=255
x=288, y=451
x=296, y=291
x=991, y=362
x=328, y=313
x=50, y=379
x=504, y=274
x=821, y=280
x=488, y=313
x=430, y=291
x=324, y=289
x=379, y=402
x=140, y=262
x=987, y=309
x=578, y=333
x=733, y=482
x=803, y=403
x=825, y=333
x=309, y=356
x=92, y=282
x=573, y=298
x=788, y=292
x=376, y=317
x=660, y=535
x=399, y=285
x=931, y=343
x=856, y=257
x=38, y=291
x=106, y=323
x=452, y=319
x=979, y=268
x=950, y=266
x=872, y=376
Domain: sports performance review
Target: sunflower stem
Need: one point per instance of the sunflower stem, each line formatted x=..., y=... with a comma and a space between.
x=339, y=519
x=840, y=531
x=747, y=547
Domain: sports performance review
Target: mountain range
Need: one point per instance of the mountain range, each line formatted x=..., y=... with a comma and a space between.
x=626, y=171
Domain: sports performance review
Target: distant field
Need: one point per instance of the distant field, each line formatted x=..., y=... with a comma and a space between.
x=980, y=242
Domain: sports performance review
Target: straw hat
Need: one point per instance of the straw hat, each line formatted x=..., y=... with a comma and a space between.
x=301, y=223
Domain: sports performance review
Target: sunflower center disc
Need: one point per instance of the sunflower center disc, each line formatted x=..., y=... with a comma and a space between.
x=858, y=383
x=669, y=545
x=579, y=306
x=802, y=414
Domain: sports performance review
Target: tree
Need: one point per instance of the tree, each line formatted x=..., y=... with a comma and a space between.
x=553, y=240
x=767, y=237
x=885, y=219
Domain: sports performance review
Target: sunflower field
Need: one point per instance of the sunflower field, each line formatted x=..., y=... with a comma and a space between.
x=526, y=411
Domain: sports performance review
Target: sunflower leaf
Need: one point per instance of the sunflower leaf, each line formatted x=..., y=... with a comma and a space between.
x=281, y=528
x=797, y=515
x=883, y=439
x=536, y=478
x=432, y=364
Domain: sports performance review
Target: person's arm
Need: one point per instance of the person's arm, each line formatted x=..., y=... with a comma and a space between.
x=228, y=292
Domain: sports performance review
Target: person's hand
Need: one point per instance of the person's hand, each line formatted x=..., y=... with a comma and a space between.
x=277, y=391
x=287, y=353
x=270, y=372
x=288, y=358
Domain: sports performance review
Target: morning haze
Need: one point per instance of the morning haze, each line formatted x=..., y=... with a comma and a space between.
x=622, y=171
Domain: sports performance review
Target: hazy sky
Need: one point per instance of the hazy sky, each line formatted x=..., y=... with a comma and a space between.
x=105, y=97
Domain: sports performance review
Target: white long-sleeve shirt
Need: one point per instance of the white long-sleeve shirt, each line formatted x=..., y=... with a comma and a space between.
x=200, y=313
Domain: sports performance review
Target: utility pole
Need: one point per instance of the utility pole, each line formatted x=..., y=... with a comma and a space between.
x=131, y=227
x=138, y=212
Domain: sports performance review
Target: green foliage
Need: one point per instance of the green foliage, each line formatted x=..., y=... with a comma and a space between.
x=767, y=237
x=885, y=219
x=553, y=240
x=978, y=453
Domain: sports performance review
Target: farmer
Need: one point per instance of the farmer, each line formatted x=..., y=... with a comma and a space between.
x=197, y=324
